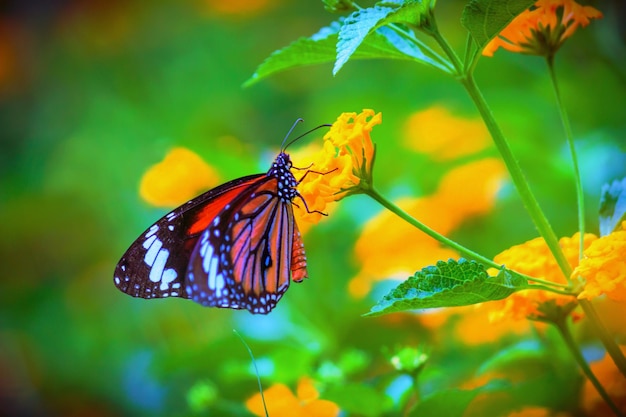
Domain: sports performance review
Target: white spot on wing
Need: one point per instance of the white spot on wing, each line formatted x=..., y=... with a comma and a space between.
x=169, y=275
x=156, y=273
x=149, y=241
x=153, y=251
x=152, y=230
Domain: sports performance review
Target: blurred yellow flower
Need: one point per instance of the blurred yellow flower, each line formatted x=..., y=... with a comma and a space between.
x=534, y=259
x=345, y=161
x=613, y=382
x=542, y=29
x=471, y=328
x=604, y=267
x=281, y=402
x=234, y=7
x=436, y=132
x=179, y=177
x=389, y=248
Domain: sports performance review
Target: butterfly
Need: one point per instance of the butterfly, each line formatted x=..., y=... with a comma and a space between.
x=236, y=246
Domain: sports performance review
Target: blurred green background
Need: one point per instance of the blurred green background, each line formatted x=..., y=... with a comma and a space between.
x=92, y=93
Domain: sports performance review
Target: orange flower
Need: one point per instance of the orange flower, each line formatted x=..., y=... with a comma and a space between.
x=533, y=258
x=281, y=402
x=179, y=177
x=542, y=29
x=387, y=237
x=437, y=132
x=604, y=267
x=345, y=160
x=613, y=382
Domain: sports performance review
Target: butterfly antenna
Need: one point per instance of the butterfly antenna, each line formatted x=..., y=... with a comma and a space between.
x=256, y=369
x=284, y=147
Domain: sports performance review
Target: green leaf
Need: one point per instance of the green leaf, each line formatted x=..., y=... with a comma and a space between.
x=317, y=49
x=612, y=206
x=321, y=48
x=448, y=284
x=364, y=22
x=484, y=19
x=454, y=402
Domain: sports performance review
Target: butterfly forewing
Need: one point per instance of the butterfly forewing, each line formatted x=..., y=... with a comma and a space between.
x=156, y=263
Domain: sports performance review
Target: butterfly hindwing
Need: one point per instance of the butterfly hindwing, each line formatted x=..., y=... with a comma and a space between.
x=156, y=263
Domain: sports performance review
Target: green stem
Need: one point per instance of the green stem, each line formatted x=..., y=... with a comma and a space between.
x=468, y=253
x=605, y=336
x=580, y=196
x=565, y=333
x=372, y=192
x=553, y=290
x=517, y=176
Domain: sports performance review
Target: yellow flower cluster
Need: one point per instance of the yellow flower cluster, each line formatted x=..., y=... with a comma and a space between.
x=534, y=258
x=343, y=165
x=604, y=267
x=542, y=29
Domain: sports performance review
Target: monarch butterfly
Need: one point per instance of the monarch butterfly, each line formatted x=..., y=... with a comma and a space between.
x=235, y=246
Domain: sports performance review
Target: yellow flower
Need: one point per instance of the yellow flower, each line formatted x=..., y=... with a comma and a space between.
x=345, y=163
x=604, y=267
x=435, y=131
x=281, y=402
x=533, y=258
x=386, y=237
x=542, y=29
x=613, y=382
x=179, y=177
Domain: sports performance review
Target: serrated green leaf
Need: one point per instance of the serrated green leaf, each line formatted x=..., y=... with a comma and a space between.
x=354, y=30
x=321, y=48
x=484, y=19
x=364, y=22
x=449, y=284
x=454, y=402
x=612, y=206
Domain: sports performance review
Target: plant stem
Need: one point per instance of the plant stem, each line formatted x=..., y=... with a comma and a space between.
x=468, y=253
x=607, y=340
x=372, y=192
x=553, y=290
x=517, y=176
x=580, y=196
x=565, y=333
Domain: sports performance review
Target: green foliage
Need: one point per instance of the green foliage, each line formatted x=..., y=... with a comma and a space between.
x=448, y=284
x=454, y=402
x=113, y=88
x=484, y=19
x=359, y=399
x=202, y=396
x=321, y=48
x=612, y=206
x=361, y=23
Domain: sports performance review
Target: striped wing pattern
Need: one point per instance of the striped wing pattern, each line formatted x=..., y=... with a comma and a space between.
x=235, y=246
